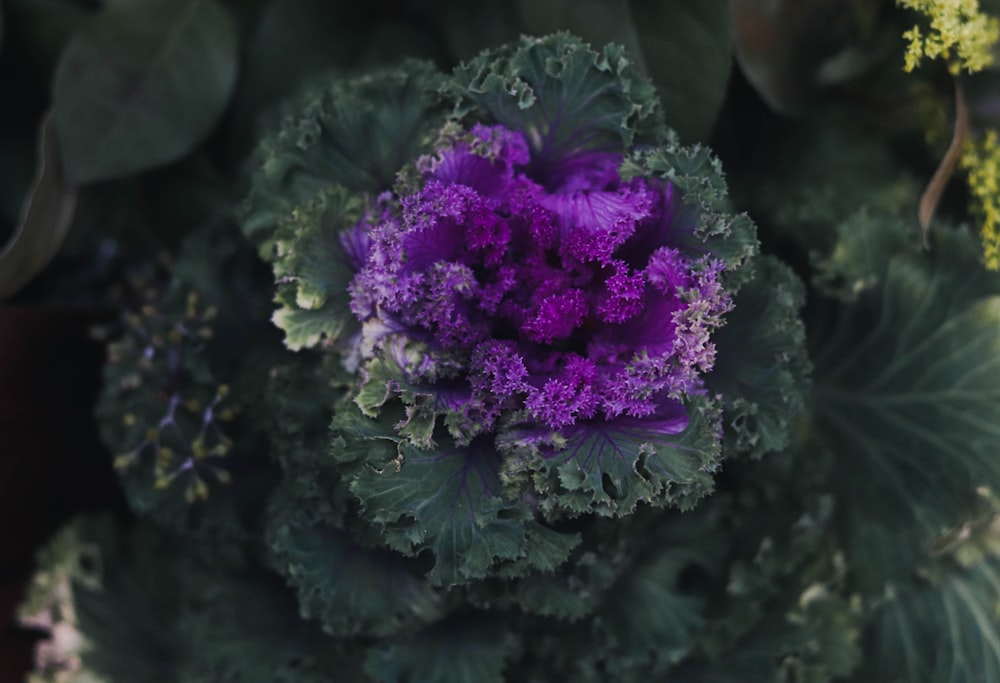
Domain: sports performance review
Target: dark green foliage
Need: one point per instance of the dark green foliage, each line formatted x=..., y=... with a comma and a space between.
x=906, y=635
x=141, y=84
x=686, y=45
x=906, y=404
x=705, y=225
x=568, y=97
x=350, y=132
x=307, y=513
x=762, y=368
x=173, y=405
x=610, y=469
x=462, y=648
x=146, y=593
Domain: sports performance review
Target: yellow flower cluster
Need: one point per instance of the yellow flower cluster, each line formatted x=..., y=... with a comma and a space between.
x=960, y=33
x=981, y=159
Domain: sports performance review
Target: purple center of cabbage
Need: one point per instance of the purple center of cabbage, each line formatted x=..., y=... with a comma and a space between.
x=563, y=300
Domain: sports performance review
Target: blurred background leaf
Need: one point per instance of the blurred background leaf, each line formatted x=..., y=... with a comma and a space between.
x=790, y=49
x=687, y=46
x=46, y=217
x=292, y=40
x=142, y=84
x=469, y=28
x=597, y=21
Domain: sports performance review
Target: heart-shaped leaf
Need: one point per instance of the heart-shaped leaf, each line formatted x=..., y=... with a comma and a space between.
x=142, y=84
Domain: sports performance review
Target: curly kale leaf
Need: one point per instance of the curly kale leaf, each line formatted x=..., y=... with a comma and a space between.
x=703, y=224
x=313, y=268
x=342, y=143
x=643, y=614
x=448, y=500
x=568, y=99
x=355, y=133
x=349, y=588
x=610, y=466
x=761, y=366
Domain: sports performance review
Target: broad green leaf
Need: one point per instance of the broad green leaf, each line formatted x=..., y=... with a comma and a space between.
x=687, y=48
x=610, y=467
x=447, y=499
x=942, y=631
x=647, y=615
x=460, y=650
x=142, y=84
x=45, y=217
x=907, y=405
x=629, y=614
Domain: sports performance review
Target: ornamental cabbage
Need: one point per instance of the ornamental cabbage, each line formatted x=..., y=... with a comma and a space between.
x=522, y=275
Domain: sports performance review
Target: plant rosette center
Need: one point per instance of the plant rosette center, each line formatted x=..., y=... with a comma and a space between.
x=554, y=299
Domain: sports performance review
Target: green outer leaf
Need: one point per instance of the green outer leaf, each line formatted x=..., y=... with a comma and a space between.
x=353, y=590
x=355, y=133
x=761, y=367
x=45, y=217
x=687, y=46
x=447, y=500
x=564, y=96
x=684, y=46
x=703, y=224
x=907, y=405
x=314, y=270
x=142, y=84
x=609, y=468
